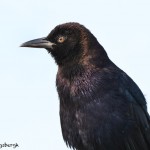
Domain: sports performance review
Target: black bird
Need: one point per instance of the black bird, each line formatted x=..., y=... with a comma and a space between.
x=101, y=107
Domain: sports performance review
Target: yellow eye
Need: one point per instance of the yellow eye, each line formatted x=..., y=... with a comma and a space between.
x=61, y=39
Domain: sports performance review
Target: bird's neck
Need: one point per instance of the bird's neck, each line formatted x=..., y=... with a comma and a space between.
x=91, y=55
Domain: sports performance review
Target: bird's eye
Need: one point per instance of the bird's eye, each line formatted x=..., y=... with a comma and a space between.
x=61, y=39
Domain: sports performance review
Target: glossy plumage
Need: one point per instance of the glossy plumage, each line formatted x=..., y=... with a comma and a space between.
x=101, y=107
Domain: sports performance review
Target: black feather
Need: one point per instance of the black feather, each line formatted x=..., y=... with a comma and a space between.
x=101, y=107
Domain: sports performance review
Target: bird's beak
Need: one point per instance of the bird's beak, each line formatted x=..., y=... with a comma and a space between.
x=38, y=43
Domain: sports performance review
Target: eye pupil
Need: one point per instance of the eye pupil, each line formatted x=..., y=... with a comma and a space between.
x=61, y=39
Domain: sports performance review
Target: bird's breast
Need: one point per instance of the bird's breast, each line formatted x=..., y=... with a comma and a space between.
x=79, y=89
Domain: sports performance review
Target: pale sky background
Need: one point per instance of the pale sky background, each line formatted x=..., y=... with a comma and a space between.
x=29, y=110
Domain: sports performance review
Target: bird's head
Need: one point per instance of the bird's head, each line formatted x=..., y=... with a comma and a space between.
x=67, y=43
